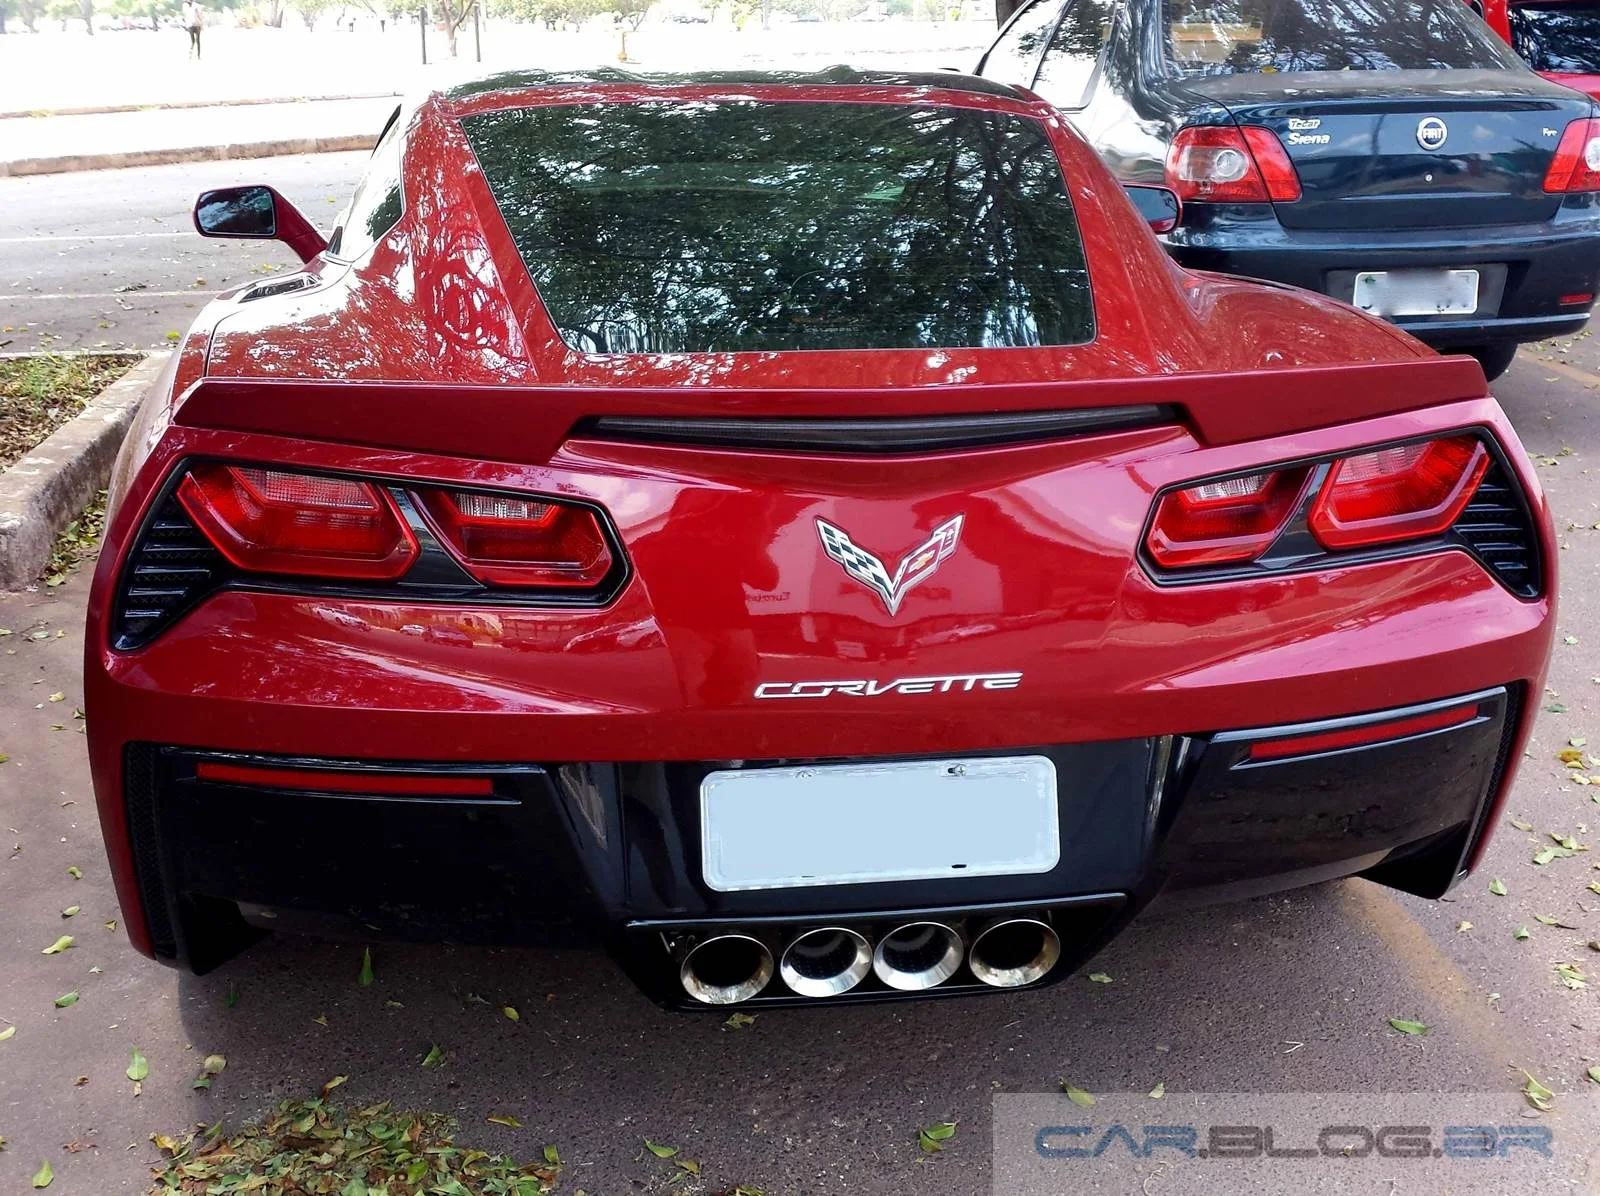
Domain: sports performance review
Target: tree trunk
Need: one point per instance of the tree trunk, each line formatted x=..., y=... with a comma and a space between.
x=86, y=7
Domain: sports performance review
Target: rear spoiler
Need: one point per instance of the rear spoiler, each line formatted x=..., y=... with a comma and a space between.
x=528, y=424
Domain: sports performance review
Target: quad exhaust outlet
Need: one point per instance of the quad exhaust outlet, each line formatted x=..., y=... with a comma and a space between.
x=729, y=966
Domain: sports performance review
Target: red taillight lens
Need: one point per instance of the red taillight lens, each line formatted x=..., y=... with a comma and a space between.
x=1398, y=493
x=1220, y=522
x=1223, y=164
x=509, y=541
x=272, y=521
x=1576, y=164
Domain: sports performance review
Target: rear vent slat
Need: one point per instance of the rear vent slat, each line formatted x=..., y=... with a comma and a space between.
x=1498, y=529
x=170, y=569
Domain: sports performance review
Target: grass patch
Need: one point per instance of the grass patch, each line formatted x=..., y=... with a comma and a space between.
x=39, y=394
x=314, y=1147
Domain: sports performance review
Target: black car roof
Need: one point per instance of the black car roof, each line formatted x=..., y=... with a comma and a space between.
x=836, y=76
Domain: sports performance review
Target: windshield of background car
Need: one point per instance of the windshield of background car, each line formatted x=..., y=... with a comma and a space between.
x=699, y=227
x=1239, y=37
x=1557, y=37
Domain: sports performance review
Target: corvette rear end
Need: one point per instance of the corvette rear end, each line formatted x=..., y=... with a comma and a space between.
x=803, y=535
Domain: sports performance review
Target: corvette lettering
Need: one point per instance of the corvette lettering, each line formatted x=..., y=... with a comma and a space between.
x=951, y=683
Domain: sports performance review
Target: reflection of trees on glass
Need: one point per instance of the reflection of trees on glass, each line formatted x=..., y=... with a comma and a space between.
x=1014, y=56
x=1223, y=37
x=1557, y=37
x=677, y=227
x=1067, y=68
x=376, y=206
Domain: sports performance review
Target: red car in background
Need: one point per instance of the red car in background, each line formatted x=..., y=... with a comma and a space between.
x=801, y=533
x=1558, y=38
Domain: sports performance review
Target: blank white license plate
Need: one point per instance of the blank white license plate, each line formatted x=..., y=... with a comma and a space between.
x=776, y=828
x=1417, y=292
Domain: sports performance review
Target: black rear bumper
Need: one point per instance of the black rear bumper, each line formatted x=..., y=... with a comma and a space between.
x=1525, y=272
x=608, y=854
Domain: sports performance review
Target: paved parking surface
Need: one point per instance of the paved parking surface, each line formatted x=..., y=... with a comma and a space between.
x=1286, y=993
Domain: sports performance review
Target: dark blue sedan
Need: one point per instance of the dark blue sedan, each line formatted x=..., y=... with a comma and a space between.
x=1394, y=154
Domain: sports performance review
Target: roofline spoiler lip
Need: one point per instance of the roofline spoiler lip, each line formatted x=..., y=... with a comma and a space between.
x=453, y=419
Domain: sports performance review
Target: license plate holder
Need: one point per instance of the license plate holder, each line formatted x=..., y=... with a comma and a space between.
x=1417, y=292
x=834, y=824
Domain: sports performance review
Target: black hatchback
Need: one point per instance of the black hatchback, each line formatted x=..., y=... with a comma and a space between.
x=1393, y=154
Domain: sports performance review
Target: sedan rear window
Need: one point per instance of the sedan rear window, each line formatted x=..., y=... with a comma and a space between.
x=688, y=227
x=1238, y=37
x=1558, y=37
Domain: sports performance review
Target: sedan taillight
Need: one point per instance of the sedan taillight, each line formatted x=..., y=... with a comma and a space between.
x=1401, y=493
x=1224, y=164
x=272, y=521
x=509, y=541
x=1217, y=523
x=1576, y=164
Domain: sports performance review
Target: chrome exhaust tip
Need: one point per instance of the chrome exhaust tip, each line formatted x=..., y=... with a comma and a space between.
x=725, y=969
x=826, y=961
x=917, y=955
x=1010, y=952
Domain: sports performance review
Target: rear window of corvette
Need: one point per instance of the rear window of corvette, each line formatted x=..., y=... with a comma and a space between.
x=684, y=227
x=1238, y=37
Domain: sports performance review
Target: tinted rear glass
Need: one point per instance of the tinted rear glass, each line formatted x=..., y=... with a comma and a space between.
x=1237, y=37
x=682, y=227
x=1558, y=37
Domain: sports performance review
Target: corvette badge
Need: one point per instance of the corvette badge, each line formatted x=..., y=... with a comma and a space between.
x=917, y=565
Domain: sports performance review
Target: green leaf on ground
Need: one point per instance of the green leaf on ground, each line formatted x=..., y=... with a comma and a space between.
x=365, y=978
x=1521, y=825
x=138, y=1065
x=1594, y=1073
x=434, y=1058
x=504, y=1119
x=7, y=1033
x=75, y=872
x=1407, y=1026
x=931, y=1138
x=1158, y=1091
x=552, y=1155
x=1544, y=856
x=71, y=911
x=1497, y=887
x=1077, y=1096
x=66, y=999
x=1520, y=933
x=1547, y=920
x=1572, y=975
x=739, y=1021
x=1538, y=1095
x=511, y=1013
x=332, y=1084
x=1099, y=978
x=43, y=1176
x=661, y=1152
x=60, y=945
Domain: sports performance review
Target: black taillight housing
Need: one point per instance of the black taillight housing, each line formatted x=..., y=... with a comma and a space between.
x=1399, y=499
x=230, y=525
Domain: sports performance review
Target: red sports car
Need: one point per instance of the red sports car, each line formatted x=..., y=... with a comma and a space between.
x=801, y=533
x=1558, y=38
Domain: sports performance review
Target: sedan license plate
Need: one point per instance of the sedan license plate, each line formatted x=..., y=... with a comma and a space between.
x=834, y=824
x=1417, y=292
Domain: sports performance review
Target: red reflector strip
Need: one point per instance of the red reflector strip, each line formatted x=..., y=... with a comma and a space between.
x=1327, y=741
x=344, y=782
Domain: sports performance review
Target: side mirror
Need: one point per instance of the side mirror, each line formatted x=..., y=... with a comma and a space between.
x=1159, y=206
x=256, y=213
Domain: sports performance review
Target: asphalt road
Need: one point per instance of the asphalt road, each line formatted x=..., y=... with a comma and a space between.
x=110, y=259
x=1284, y=994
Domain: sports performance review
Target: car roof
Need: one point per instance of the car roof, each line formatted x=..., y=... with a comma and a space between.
x=834, y=76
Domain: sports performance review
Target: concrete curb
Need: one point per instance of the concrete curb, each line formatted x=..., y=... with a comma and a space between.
x=188, y=153
x=174, y=105
x=45, y=491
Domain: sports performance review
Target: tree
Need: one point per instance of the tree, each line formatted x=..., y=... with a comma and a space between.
x=312, y=11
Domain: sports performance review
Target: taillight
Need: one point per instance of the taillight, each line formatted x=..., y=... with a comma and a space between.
x=1576, y=164
x=1216, y=523
x=272, y=521
x=509, y=541
x=1404, y=492
x=1224, y=164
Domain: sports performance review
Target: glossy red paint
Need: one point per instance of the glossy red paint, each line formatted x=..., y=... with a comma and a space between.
x=431, y=360
x=1496, y=13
